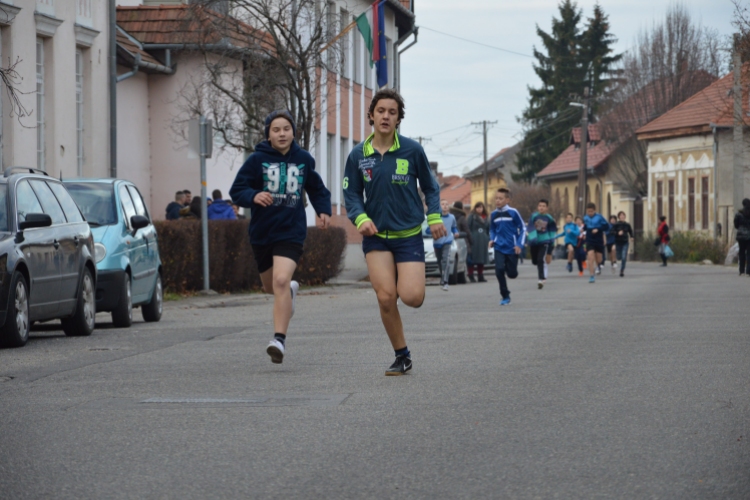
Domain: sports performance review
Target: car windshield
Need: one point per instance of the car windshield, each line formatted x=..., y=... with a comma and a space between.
x=4, y=208
x=97, y=201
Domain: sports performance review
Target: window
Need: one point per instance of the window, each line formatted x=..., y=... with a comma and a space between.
x=140, y=207
x=26, y=201
x=691, y=203
x=357, y=55
x=330, y=160
x=704, y=202
x=40, y=159
x=96, y=200
x=72, y=212
x=369, y=68
x=609, y=204
x=566, y=201
x=344, y=45
x=79, y=110
x=389, y=60
x=49, y=203
x=659, y=200
x=4, y=208
x=127, y=205
x=671, y=203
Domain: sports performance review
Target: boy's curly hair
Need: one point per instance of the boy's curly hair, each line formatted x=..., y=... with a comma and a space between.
x=386, y=94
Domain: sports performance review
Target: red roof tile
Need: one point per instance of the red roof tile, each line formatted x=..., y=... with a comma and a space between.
x=189, y=24
x=134, y=48
x=712, y=105
x=569, y=160
x=456, y=188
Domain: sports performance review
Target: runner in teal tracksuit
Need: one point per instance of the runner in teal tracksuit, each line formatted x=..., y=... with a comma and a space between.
x=383, y=201
x=542, y=231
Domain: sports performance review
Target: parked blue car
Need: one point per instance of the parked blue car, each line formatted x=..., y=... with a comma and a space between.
x=127, y=254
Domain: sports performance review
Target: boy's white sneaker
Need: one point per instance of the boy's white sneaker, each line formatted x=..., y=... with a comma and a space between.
x=445, y=287
x=275, y=349
x=295, y=288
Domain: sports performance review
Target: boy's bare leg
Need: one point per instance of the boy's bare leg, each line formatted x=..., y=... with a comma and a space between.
x=410, y=283
x=571, y=254
x=382, y=269
x=277, y=281
x=591, y=259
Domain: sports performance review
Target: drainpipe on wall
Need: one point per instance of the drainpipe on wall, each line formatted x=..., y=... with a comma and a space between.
x=112, y=88
x=397, y=70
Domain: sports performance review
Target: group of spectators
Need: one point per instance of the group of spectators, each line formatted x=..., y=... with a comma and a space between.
x=187, y=206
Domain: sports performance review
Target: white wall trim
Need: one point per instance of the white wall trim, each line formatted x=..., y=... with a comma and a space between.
x=46, y=25
x=8, y=13
x=85, y=36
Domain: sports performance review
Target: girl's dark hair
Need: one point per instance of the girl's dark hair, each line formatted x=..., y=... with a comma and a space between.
x=479, y=204
x=612, y=217
x=386, y=94
x=746, y=207
x=621, y=213
x=195, y=206
x=663, y=218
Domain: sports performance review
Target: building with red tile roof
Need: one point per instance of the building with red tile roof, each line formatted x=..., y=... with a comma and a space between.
x=690, y=152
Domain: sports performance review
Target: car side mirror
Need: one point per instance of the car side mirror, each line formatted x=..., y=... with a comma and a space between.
x=35, y=220
x=139, y=222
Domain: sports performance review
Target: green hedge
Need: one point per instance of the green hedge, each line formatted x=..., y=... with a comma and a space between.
x=231, y=264
x=687, y=247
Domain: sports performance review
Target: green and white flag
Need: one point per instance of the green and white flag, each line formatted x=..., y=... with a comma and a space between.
x=364, y=25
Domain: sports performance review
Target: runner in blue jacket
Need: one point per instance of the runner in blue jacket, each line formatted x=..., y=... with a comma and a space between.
x=507, y=236
x=571, y=232
x=596, y=234
x=382, y=200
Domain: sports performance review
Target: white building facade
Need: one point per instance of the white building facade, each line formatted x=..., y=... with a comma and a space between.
x=59, y=49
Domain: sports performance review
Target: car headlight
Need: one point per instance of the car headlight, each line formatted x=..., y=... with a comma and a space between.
x=100, y=251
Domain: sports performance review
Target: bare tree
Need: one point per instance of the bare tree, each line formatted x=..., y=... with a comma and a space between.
x=670, y=62
x=11, y=79
x=263, y=55
x=525, y=198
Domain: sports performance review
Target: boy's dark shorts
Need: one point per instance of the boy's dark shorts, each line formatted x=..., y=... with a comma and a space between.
x=264, y=254
x=610, y=246
x=409, y=249
x=596, y=247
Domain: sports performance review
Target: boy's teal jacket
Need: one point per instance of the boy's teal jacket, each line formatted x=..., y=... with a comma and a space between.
x=571, y=232
x=384, y=189
x=542, y=229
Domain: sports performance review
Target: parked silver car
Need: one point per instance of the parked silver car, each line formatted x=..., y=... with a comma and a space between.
x=456, y=263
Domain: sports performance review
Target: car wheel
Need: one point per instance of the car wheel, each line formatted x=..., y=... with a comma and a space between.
x=82, y=323
x=15, y=332
x=453, y=278
x=152, y=310
x=122, y=316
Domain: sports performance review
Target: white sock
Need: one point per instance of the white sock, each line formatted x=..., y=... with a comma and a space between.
x=546, y=269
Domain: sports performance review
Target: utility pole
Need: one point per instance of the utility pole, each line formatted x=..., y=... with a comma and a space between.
x=421, y=139
x=583, y=164
x=484, y=125
x=738, y=145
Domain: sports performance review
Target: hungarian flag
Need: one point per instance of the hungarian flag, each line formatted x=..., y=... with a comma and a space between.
x=372, y=26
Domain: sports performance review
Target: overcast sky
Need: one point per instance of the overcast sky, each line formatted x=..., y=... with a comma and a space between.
x=449, y=83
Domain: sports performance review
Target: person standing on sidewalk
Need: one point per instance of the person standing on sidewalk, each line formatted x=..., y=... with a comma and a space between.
x=382, y=200
x=270, y=184
x=623, y=235
x=507, y=235
x=742, y=225
x=442, y=246
x=596, y=233
x=542, y=232
x=664, y=238
x=611, y=239
x=479, y=228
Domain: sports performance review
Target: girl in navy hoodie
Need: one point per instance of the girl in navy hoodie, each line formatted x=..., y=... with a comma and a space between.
x=270, y=184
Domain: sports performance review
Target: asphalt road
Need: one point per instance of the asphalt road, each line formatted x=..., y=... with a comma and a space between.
x=629, y=388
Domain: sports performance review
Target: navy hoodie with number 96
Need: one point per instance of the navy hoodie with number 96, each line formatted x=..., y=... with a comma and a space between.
x=284, y=177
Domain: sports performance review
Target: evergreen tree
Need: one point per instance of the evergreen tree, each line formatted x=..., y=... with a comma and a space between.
x=570, y=60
